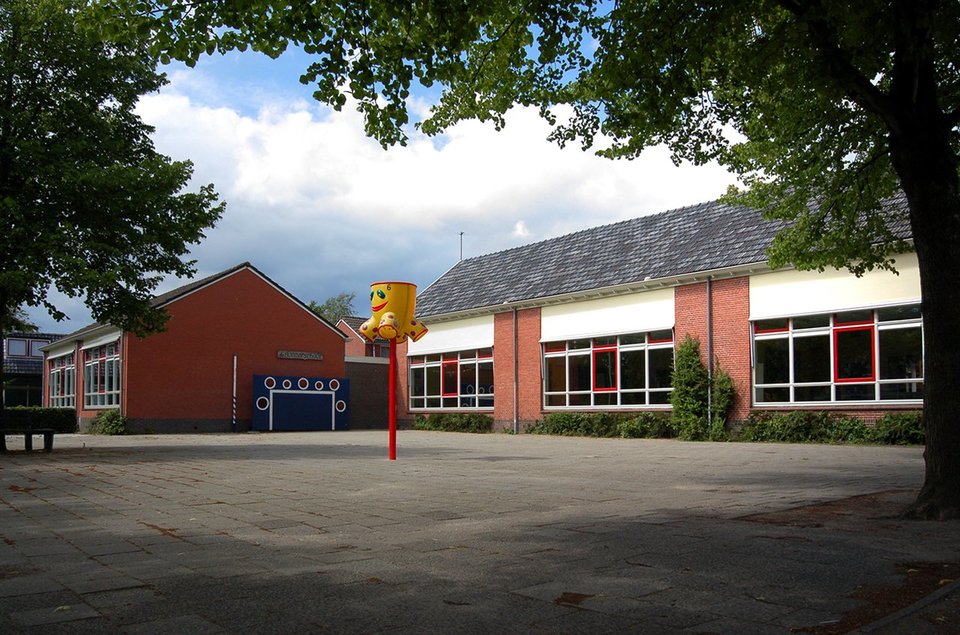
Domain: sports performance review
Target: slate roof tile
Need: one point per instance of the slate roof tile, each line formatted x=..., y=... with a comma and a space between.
x=688, y=240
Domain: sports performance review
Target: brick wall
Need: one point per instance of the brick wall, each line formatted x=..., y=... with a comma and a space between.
x=527, y=367
x=731, y=330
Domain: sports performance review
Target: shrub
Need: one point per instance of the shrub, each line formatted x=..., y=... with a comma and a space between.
x=579, y=424
x=61, y=420
x=109, y=422
x=721, y=402
x=647, y=425
x=805, y=426
x=900, y=428
x=689, y=396
x=455, y=422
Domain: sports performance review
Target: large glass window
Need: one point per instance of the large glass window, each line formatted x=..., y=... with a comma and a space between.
x=62, y=381
x=862, y=355
x=615, y=371
x=455, y=380
x=101, y=376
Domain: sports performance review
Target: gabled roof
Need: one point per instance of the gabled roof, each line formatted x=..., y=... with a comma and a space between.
x=354, y=322
x=169, y=297
x=683, y=242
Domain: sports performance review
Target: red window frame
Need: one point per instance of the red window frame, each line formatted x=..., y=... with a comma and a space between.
x=865, y=326
x=605, y=348
x=456, y=378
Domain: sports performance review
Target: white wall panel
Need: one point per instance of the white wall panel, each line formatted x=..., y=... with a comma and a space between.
x=454, y=336
x=636, y=312
x=787, y=293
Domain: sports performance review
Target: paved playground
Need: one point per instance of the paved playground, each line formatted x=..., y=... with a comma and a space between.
x=320, y=533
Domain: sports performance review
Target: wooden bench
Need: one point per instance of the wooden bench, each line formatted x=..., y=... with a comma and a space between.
x=17, y=422
x=28, y=437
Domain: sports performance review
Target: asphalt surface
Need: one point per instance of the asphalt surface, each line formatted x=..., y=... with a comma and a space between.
x=320, y=533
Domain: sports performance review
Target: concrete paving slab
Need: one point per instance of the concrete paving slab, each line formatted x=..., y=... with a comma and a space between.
x=312, y=532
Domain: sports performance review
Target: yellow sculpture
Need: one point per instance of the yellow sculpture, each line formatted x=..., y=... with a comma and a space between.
x=393, y=304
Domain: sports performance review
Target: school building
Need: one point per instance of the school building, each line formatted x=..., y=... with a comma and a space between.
x=238, y=350
x=590, y=321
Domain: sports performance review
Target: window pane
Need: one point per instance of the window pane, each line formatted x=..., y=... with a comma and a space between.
x=468, y=379
x=659, y=397
x=854, y=354
x=901, y=353
x=485, y=377
x=433, y=381
x=811, y=321
x=605, y=341
x=856, y=392
x=35, y=348
x=911, y=390
x=892, y=313
x=633, y=338
x=811, y=359
x=778, y=324
x=605, y=370
x=16, y=347
x=666, y=335
x=633, y=398
x=853, y=317
x=772, y=395
x=578, y=344
x=556, y=368
x=773, y=361
x=555, y=347
x=417, y=383
x=579, y=375
x=661, y=367
x=556, y=400
x=580, y=400
x=451, y=384
x=633, y=369
x=811, y=393
x=605, y=399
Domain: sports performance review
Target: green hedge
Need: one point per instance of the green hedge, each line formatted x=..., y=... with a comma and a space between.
x=454, y=422
x=814, y=426
x=62, y=420
x=606, y=424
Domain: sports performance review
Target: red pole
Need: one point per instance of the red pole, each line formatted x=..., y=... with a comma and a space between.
x=392, y=408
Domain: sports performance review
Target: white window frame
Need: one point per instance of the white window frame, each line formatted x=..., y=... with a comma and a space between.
x=834, y=383
x=606, y=397
x=62, y=381
x=101, y=376
x=476, y=396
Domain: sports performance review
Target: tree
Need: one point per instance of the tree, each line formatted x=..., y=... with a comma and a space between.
x=89, y=207
x=335, y=307
x=825, y=109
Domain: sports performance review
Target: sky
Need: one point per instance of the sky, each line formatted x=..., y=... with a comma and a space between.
x=321, y=209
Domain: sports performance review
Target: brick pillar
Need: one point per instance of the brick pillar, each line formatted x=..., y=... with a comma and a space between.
x=731, y=331
x=526, y=363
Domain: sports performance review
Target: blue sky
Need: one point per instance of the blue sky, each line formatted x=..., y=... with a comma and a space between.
x=322, y=209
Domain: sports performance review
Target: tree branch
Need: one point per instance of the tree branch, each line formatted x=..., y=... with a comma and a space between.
x=847, y=76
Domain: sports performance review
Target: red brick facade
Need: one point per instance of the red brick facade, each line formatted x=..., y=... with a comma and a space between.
x=723, y=304
x=181, y=380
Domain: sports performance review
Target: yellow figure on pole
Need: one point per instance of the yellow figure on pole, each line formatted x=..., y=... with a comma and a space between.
x=393, y=304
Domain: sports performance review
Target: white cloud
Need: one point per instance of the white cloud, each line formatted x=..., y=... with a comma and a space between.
x=520, y=230
x=322, y=208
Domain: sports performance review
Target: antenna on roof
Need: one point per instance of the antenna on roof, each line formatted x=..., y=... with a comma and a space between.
x=461, y=245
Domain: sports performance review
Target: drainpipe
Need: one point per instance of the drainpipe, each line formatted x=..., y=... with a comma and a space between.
x=516, y=379
x=709, y=351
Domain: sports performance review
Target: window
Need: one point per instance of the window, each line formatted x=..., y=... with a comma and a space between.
x=62, y=382
x=862, y=355
x=617, y=371
x=455, y=380
x=35, y=346
x=16, y=347
x=101, y=376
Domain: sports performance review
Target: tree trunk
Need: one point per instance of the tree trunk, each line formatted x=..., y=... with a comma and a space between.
x=928, y=171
